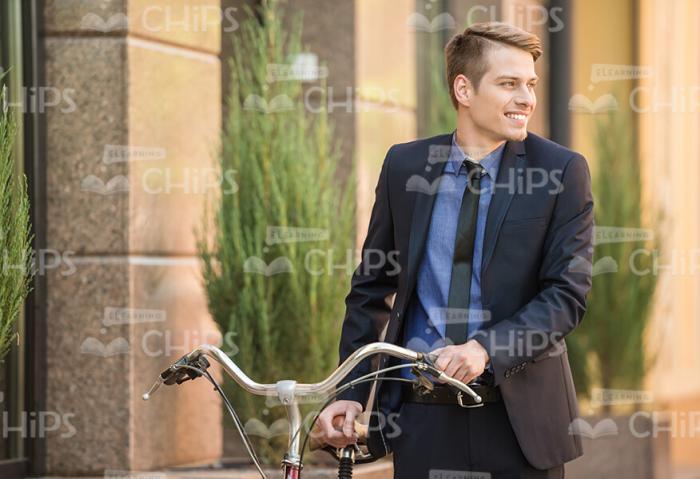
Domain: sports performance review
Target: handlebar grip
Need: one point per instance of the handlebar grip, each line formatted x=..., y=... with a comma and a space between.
x=361, y=429
x=177, y=373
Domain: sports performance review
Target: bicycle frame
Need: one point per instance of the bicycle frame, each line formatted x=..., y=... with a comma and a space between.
x=289, y=391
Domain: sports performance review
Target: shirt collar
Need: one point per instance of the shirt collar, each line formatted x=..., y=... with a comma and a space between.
x=490, y=162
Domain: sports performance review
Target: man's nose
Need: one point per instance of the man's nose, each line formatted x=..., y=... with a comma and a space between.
x=525, y=98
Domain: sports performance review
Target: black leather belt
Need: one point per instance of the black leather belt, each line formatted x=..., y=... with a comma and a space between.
x=442, y=394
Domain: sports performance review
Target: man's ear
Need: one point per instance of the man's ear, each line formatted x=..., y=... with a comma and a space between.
x=463, y=90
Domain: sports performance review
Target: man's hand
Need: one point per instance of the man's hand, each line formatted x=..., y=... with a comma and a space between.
x=341, y=414
x=464, y=362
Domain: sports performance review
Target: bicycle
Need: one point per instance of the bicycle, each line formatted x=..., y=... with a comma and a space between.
x=195, y=364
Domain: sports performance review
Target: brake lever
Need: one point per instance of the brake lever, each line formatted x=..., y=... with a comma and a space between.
x=428, y=365
x=147, y=395
x=423, y=384
x=180, y=371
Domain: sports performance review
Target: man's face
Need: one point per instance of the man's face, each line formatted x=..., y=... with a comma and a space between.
x=505, y=99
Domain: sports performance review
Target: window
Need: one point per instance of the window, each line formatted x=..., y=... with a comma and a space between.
x=20, y=390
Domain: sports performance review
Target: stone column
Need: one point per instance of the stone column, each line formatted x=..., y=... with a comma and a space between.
x=130, y=154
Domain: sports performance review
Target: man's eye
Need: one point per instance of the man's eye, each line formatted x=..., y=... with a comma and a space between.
x=508, y=83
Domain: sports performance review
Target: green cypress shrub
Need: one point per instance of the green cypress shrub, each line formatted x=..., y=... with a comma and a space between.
x=608, y=349
x=15, y=235
x=284, y=320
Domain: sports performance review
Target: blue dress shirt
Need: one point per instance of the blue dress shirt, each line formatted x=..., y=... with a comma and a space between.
x=428, y=313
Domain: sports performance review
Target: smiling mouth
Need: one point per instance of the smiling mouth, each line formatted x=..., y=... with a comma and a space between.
x=517, y=116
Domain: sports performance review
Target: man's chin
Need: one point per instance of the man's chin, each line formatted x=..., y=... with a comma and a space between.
x=517, y=135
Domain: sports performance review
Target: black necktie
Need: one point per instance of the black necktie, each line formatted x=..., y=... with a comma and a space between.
x=460, y=281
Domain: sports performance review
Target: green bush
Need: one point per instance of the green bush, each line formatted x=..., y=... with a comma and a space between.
x=440, y=116
x=283, y=159
x=15, y=236
x=608, y=349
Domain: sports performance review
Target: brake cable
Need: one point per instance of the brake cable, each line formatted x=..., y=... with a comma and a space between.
x=234, y=416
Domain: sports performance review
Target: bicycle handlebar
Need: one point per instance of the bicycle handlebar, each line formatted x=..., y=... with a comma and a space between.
x=194, y=364
x=287, y=390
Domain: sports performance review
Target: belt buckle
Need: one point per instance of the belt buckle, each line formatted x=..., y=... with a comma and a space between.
x=467, y=406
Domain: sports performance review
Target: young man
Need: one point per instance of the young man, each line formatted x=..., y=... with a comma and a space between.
x=492, y=228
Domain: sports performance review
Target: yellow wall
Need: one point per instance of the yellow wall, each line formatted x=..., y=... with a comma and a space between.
x=386, y=96
x=602, y=32
x=670, y=150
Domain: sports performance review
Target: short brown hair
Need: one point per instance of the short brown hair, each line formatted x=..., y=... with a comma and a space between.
x=466, y=52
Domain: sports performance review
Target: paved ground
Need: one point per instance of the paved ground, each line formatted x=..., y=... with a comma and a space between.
x=687, y=474
x=381, y=470
x=378, y=470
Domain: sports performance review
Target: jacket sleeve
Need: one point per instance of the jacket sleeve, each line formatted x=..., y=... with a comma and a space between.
x=565, y=280
x=368, y=305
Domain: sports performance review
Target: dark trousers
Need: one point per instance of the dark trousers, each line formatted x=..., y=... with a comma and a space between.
x=437, y=441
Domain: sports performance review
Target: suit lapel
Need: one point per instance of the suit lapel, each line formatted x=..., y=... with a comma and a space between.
x=423, y=209
x=511, y=168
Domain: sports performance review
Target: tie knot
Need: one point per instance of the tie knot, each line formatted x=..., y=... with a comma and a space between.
x=474, y=170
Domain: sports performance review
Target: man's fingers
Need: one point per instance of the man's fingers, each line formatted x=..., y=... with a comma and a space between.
x=443, y=360
x=333, y=434
x=349, y=425
x=454, y=366
x=324, y=423
x=462, y=373
x=337, y=423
